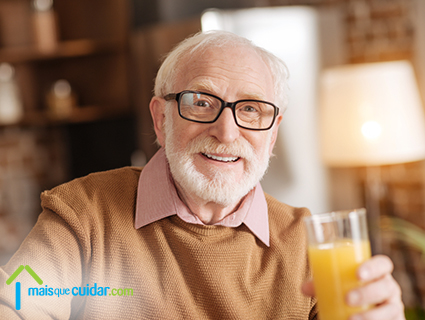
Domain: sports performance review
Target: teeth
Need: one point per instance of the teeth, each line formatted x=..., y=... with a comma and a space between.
x=224, y=159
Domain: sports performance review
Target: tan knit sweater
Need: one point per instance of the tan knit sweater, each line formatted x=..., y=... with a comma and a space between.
x=86, y=235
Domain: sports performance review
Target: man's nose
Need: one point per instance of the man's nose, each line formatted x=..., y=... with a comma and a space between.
x=225, y=128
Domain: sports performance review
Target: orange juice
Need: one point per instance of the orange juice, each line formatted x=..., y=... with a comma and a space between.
x=334, y=268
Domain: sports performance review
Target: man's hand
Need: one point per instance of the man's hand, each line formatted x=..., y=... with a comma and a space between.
x=380, y=290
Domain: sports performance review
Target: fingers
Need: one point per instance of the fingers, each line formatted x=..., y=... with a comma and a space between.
x=390, y=311
x=375, y=268
x=380, y=290
x=377, y=292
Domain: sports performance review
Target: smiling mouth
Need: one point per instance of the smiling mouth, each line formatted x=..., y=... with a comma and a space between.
x=221, y=159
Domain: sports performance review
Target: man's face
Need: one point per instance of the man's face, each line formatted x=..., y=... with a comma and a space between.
x=219, y=162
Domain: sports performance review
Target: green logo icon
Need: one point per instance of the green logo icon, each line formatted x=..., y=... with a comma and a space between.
x=18, y=284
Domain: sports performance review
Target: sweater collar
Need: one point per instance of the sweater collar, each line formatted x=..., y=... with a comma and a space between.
x=155, y=183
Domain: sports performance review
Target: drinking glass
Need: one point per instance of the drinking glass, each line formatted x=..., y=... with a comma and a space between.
x=337, y=244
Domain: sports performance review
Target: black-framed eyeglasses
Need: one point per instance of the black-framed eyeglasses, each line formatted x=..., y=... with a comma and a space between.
x=206, y=108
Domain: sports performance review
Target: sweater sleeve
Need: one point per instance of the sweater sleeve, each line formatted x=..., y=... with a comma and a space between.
x=314, y=315
x=61, y=248
x=57, y=251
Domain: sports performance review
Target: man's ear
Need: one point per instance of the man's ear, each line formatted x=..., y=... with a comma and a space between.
x=274, y=132
x=157, y=108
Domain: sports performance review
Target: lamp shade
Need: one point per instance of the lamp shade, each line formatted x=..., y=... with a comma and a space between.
x=371, y=114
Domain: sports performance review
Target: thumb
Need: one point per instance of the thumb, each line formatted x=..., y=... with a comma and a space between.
x=308, y=288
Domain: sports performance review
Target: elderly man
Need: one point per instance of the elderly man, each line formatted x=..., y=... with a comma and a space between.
x=192, y=235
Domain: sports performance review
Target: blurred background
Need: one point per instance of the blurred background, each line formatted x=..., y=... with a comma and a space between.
x=76, y=78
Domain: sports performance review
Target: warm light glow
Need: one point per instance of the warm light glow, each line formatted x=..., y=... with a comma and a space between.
x=371, y=130
x=371, y=114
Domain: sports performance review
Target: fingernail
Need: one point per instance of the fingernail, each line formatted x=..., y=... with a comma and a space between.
x=353, y=298
x=364, y=274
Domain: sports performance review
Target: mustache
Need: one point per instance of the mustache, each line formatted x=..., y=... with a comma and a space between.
x=239, y=148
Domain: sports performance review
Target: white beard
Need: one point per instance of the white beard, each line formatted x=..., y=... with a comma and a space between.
x=223, y=188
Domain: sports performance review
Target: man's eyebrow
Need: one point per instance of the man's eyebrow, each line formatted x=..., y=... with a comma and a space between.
x=209, y=87
x=205, y=86
x=253, y=96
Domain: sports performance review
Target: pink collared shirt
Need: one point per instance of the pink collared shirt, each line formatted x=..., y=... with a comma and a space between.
x=157, y=198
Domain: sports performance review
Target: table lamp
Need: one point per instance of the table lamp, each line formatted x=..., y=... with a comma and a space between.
x=371, y=115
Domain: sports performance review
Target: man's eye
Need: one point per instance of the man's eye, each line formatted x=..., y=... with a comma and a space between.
x=249, y=109
x=202, y=103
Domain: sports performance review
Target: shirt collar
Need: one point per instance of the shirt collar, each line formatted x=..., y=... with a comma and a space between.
x=157, y=199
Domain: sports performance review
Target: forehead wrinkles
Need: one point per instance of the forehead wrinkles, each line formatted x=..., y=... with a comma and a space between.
x=213, y=69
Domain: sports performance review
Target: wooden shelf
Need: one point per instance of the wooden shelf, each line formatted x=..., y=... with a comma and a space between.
x=64, y=49
x=80, y=114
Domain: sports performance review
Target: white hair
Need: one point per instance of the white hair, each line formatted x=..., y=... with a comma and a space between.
x=167, y=74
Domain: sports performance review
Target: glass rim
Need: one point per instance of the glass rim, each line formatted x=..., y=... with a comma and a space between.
x=334, y=215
